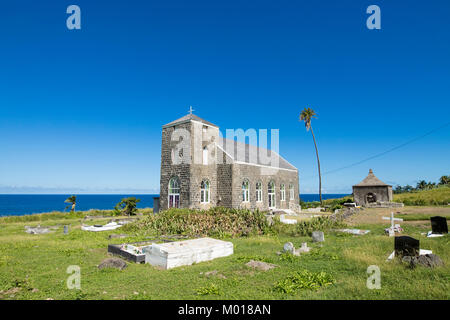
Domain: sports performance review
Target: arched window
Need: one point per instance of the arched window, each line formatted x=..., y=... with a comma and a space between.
x=204, y=192
x=282, y=192
x=271, y=194
x=258, y=192
x=174, y=192
x=291, y=192
x=245, y=191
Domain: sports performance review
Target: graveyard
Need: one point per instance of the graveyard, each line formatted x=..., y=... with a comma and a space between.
x=34, y=266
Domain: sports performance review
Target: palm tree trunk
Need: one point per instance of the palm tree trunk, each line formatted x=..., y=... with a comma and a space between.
x=73, y=207
x=318, y=165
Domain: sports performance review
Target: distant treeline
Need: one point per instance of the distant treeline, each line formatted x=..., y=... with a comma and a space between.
x=423, y=185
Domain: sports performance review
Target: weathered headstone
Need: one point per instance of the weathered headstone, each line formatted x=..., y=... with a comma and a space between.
x=66, y=229
x=406, y=246
x=289, y=247
x=439, y=225
x=303, y=249
x=318, y=236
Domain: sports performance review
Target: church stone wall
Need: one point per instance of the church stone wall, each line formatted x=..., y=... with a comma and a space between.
x=169, y=170
x=255, y=174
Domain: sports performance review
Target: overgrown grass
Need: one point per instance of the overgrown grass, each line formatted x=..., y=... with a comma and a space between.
x=433, y=197
x=216, y=222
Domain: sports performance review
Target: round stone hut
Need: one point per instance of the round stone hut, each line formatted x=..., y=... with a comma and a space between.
x=371, y=191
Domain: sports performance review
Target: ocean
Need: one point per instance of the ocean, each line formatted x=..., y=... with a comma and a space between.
x=21, y=204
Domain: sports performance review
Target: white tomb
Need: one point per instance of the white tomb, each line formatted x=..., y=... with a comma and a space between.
x=183, y=253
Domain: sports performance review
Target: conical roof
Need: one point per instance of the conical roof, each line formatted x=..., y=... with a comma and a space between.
x=187, y=118
x=370, y=181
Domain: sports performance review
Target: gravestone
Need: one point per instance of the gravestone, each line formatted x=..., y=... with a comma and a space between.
x=318, y=236
x=303, y=249
x=406, y=246
x=394, y=227
x=66, y=229
x=439, y=225
x=289, y=247
x=183, y=253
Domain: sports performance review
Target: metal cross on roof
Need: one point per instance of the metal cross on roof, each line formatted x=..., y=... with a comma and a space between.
x=191, y=110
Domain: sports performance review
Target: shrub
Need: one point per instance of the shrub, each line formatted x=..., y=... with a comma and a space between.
x=209, y=289
x=218, y=222
x=304, y=280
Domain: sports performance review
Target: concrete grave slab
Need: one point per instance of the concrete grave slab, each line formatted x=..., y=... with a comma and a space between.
x=187, y=252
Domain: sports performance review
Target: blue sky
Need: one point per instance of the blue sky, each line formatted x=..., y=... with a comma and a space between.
x=82, y=110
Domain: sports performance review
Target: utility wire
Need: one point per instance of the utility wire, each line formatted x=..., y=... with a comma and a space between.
x=383, y=153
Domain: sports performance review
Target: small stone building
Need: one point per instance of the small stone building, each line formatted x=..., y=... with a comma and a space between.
x=372, y=191
x=200, y=169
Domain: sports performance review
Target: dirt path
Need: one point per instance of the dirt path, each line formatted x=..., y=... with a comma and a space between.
x=374, y=215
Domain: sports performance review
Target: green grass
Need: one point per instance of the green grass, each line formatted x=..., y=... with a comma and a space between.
x=437, y=196
x=34, y=267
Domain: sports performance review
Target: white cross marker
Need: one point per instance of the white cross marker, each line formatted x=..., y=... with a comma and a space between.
x=392, y=220
x=190, y=110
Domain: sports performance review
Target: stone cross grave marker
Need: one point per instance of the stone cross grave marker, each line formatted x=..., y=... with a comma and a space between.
x=393, y=226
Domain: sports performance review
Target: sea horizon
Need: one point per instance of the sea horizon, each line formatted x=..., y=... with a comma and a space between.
x=25, y=204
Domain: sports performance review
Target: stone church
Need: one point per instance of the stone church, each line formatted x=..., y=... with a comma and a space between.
x=200, y=169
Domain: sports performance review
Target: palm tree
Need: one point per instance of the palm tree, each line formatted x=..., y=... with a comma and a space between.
x=421, y=185
x=73, y=201
x=444, y=180
x=306, y=115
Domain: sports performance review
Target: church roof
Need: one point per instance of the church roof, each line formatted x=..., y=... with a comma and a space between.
x=187, y=118
x=371, y=181
x=241, y=152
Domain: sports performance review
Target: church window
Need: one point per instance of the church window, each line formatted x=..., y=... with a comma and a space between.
x=204, y=192
x=258, y=192
x=245, y=191
x=174, y=193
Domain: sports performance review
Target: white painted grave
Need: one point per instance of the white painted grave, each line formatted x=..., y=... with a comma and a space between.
x=182, y=253
x=283, y=219
x=106, y=227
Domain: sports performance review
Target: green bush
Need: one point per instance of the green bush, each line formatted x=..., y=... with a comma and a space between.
x=304, y=280
x=209, y=289
x=305, y=228
x=216, y=222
